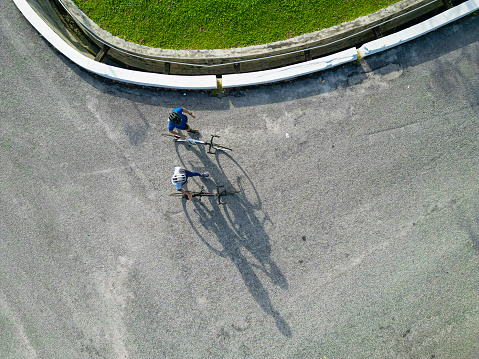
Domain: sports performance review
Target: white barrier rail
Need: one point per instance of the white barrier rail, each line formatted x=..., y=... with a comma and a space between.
x=209, y=82
x=418, y=30
x=205, y=82
x=289, y=72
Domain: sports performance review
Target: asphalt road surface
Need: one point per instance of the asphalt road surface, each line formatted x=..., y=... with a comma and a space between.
x=355, y=235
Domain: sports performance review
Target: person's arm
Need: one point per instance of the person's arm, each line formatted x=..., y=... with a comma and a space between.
x=188, y=194
x=189, y=112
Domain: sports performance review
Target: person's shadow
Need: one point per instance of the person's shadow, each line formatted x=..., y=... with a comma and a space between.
x=237, y=227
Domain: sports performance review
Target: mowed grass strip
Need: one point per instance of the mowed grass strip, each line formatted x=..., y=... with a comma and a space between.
x=221, y=24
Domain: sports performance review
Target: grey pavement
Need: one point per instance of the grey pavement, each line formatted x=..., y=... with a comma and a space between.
x=355, y=234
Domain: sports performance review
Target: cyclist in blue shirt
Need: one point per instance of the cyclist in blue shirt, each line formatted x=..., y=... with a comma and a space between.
x=180, y=176
x=180, y=121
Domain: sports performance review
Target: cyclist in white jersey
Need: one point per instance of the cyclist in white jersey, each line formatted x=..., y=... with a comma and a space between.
x=180, y=176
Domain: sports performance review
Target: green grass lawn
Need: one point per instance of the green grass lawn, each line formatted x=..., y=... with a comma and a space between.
x=212, y=24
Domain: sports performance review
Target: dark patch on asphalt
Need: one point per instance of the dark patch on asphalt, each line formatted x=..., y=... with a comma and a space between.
x=136, y=133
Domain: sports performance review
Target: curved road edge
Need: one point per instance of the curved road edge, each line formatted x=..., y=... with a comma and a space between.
x=210, y=82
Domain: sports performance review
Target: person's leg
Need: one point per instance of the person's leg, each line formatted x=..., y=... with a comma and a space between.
x=189, y=129
x=193, y=174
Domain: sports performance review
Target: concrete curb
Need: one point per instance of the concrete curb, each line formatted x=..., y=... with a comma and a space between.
x=418, y=30
x=209, y=82
x=204, y=82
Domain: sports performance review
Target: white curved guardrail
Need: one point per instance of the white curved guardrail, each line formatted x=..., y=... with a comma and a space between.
x=290, y=71
x=372, y=47
x=209, y=82
x=204, y=82
x=418, y=30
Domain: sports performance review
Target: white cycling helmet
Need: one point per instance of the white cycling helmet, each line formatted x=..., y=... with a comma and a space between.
x=179, y=178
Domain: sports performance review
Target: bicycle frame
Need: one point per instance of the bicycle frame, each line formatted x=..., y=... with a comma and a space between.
x=218, y=194
x=210, y=143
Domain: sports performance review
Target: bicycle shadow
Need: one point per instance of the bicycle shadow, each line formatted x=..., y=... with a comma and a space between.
x=237, y=227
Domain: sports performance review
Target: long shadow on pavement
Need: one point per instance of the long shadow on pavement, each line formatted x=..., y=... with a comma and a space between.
x=237, y=227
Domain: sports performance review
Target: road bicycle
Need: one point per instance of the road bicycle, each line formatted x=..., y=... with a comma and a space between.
x=190, y=141
x=202, y=193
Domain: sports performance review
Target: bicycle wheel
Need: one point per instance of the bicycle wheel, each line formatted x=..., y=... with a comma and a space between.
x=179, y=194
x=169, y=135
x=222, y=148
x=225, y=193
x=195, y=194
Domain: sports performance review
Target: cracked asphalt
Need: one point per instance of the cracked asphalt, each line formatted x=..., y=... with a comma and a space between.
x=355, y=235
